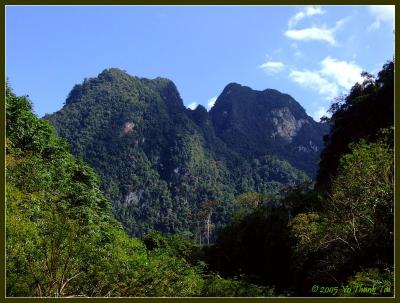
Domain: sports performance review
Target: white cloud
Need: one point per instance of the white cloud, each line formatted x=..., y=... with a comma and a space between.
x=306, y=12
x=192, y=105
x=272, y=67
x=339, y=24
x=381, y=14
x=312, y=33
x=375, y=25
x=211, y=102
x=321, y=111
x=317, y=33
x=314, y=81
x=345, y=74
x=297, y=52
x=334, y=77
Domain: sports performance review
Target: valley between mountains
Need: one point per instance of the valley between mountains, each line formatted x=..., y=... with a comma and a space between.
x=125, y=192
x=161, y=162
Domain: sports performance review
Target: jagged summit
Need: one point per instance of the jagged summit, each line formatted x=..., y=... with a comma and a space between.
x=117, y=83
x=264, y=99
x=159, y=160
x=113, y=71
x=199, y=108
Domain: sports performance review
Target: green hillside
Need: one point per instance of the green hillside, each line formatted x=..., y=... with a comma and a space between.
x=160, y=163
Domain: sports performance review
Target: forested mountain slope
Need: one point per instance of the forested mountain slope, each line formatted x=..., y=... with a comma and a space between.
x=255, y=123
x=368, y=108
x=163, y=165
x=338, y=239
x=62, y=240
x=335, y=240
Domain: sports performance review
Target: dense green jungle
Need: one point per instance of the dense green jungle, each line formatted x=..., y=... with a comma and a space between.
x=125, y=192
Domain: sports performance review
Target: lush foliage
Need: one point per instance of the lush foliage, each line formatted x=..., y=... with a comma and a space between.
x=216, y=286
x=257, y=246
x=61, y=238
x=161, y=163
x=355, y=228
x=276, y=234
x=341, y=239
x=367, y=108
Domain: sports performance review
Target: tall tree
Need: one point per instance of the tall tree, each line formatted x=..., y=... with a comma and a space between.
x=367, y=108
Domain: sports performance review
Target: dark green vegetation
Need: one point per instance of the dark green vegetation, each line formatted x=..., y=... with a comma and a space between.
x=168, y=168
x=292, y=240
x=360, y=115
x=63, y=241
x=342, y=233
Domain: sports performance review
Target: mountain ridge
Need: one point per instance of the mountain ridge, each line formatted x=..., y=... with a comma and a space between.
x=161, y=162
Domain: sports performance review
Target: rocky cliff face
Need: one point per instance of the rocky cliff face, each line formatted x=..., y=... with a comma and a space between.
x=285, y=124
x=256, y=123
x=160, y=163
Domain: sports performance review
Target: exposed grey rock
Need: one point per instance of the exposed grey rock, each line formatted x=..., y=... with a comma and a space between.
x=133, y=198
x=314, y=147
x=302, y=148
x=285, y=124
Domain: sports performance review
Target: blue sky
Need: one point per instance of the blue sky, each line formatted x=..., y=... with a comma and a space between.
x=313, y=53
